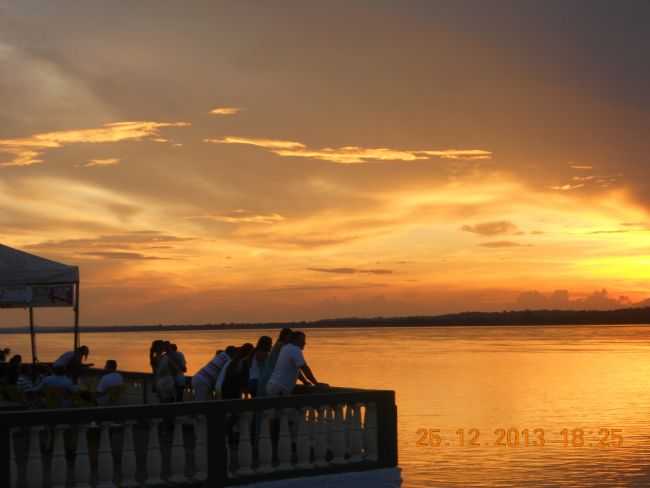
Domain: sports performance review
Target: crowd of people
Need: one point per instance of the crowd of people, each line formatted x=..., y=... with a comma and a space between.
x=31, y=383
x=246, y=371
x=264, y=369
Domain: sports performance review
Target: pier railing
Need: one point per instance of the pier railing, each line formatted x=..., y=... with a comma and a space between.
x=215, y=443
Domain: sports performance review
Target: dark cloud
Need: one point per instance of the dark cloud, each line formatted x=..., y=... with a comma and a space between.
x=491, y=228
x=352, y=271
x=499, y=244
x=561, y=300
x=613, y=231
x=131, y=256
x=115, y=240
x=317, y=288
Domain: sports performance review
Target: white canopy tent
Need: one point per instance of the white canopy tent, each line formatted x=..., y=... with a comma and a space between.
x=29, y=281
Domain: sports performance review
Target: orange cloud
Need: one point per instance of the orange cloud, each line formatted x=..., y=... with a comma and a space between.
x=225, y=111
x=567, y=187
x=353, y=154
x=265, y=143
x=26, y=150
x=102, y=162
x=242, y=217
x=500, y=244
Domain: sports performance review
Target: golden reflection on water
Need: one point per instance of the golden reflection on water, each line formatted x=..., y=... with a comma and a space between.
x=482, y=378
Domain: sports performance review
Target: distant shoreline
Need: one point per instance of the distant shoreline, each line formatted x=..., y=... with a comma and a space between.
x=628, y=316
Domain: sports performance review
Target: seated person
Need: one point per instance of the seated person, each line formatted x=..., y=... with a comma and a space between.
x=24, y=383
x=13, y=369
x=59, y=386
x=111, y=381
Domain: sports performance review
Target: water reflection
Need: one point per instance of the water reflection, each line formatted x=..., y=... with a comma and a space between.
x=484, y=378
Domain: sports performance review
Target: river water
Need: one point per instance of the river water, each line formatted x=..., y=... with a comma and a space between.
x=478, y=400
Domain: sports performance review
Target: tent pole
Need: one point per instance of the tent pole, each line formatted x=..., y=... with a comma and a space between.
x=33, y=334
x=76, y=316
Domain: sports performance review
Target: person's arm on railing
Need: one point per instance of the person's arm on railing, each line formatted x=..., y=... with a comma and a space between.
x=302, y=378
x=306, y=370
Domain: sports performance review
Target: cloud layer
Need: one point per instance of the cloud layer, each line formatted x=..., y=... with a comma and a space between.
x=352, y=154
x=25, y=151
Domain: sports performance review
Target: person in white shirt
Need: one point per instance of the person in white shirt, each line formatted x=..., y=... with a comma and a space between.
x=112, y=379
x=290, y=367
x=204, y=381
x=57, y=380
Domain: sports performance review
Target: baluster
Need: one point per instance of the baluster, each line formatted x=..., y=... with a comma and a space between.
x=200, y=449
x=59, y=465
x=346, y=428
x=311, y=428
x=338, y=436
x=329, y=422
x=132, y=393
x=82, y=460
x=151, y=396
x=302, y=440
x=104, y=458
x=370, y=432
x=265, y=444
x=228, y=457
x=128, y=457
x=356, y=442
x=320, y=448
x=245, y=448
x=13, y=464
x=35, y=459
x=154, y=457
x=178, y=453
x=284, y=441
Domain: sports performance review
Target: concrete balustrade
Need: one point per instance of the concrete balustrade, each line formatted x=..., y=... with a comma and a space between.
x=171, y=444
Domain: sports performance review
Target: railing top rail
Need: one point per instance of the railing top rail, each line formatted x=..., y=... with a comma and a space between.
x=101, y=414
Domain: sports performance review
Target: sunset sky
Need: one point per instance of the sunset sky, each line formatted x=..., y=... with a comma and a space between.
x=252, y=161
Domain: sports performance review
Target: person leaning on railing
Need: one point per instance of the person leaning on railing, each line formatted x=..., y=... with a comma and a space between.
x=235, y=382
x=290, y=367
x=72, y=362
x=204, y=381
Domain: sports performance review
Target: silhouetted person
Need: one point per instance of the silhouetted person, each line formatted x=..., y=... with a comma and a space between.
x=236, y=376
x=57, y=380
x=111, y=380
x=155, y=351
x=13, y=369
x=257, y=363
x=265, y=374
x=165, y=378
x=72, y=362
x=179, y=359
